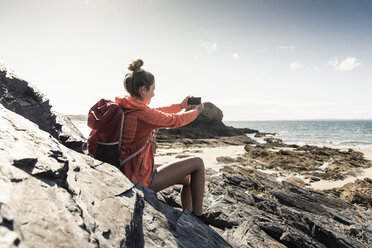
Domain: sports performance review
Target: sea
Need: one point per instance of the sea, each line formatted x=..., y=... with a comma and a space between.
x=331, y=133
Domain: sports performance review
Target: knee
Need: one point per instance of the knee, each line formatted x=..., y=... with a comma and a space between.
x=199, y=163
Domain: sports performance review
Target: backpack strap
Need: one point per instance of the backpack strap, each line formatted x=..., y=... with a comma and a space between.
x=134, y=154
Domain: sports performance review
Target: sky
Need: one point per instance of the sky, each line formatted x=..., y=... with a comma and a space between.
x=254, y=59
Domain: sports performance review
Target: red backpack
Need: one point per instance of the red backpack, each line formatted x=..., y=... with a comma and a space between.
x=106, y=119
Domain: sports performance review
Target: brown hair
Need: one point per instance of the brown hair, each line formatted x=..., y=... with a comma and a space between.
x=137, y=78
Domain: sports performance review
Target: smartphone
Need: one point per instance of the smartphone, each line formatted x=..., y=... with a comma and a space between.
x=194, y=100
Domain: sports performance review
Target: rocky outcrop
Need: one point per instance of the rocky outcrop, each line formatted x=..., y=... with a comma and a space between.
x=251, y=210
x=170, y=141
x=25, y=99
x=358, y=192
x=251, y=206
x=52, y=196
x=310, y=161
x=206, y=126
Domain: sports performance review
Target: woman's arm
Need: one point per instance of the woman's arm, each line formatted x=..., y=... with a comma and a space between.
x=175, y=108
x=159, y=119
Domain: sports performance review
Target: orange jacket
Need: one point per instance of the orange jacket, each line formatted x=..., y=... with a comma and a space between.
x=138, y=126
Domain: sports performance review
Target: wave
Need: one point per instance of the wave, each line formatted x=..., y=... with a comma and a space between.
x=356, y=142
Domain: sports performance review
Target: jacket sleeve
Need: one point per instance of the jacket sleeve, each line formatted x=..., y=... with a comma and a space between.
x=160, y=119
x=174, y=108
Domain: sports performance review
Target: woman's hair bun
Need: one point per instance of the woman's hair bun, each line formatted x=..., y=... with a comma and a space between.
x=136, y=65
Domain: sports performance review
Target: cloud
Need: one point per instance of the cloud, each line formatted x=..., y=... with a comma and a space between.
x=287, y=48
x=235, y=56
x=295, y=66
x=348, y=64
x=209, y=46
x=87, y=1
x=333, y=63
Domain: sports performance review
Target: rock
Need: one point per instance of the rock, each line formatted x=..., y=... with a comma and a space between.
x=211, y=114
x=206, y=126
x=296, y=181
x=70, y=135
x=263, y=134
x=225, y=160
x=318, y=162
x=10, y=234
x=313, y=179
x=238, y=140
x=252, y=210
x=359, y=192
x=52, y=196
x=183, y=156
x=25, y=99
x=173, y=141
x=275, y=142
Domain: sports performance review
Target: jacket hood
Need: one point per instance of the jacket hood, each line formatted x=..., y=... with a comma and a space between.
x=129, y=102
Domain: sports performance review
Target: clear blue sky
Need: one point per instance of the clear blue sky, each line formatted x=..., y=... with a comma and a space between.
x=256, y=60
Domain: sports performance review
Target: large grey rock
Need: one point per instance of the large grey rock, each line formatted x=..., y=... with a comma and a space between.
x=25, y=99
x=211, y=114
x=52, y=196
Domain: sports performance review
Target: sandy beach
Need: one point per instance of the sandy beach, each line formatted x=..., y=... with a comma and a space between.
x=210, y=155
x=366, y=151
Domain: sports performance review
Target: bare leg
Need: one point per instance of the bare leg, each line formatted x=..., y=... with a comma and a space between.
x=172, y=174
x=186, y=194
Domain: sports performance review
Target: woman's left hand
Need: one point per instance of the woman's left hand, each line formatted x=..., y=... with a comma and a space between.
x=184, y=103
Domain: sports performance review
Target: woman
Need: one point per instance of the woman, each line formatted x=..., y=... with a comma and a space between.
x=139, y=124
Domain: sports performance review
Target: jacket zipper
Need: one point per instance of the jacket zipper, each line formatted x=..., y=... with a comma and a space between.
x=140, y=169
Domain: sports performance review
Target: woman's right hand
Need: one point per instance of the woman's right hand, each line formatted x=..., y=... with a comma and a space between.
x=200, y=108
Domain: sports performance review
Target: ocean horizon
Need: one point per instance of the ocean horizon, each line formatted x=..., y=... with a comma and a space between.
x=332, y=133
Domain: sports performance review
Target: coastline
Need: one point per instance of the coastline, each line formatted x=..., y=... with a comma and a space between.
x=366, y=151
x=210, y=157
x=325, y=184
x=165, y=154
